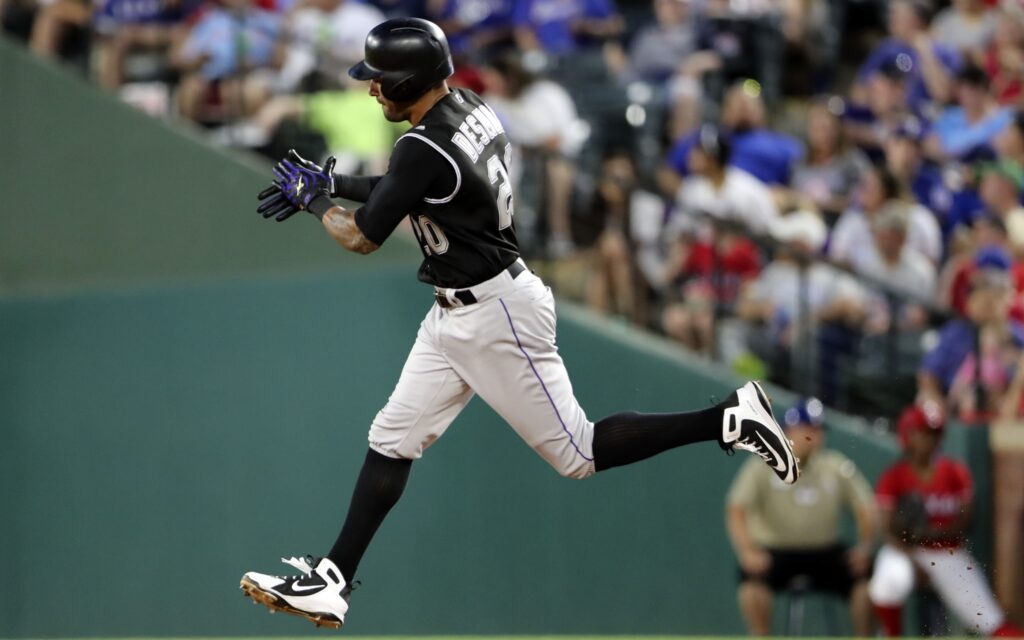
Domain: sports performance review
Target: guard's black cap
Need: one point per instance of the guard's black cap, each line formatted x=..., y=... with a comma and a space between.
x=408, y=55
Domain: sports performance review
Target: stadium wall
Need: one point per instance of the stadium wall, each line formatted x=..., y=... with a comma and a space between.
x=161, y=441
x=171, y=415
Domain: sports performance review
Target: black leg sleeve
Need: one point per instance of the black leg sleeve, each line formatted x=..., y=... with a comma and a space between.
x=380, y=485
x=628, y=437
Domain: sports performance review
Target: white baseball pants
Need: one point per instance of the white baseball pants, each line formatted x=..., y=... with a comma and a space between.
x=502, y=348
x=955, y=576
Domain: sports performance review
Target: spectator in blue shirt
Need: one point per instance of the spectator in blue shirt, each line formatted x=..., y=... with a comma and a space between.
x=125, y=26
x=230, y=37
x=930, y=64
x=400, y=8
x=767, y=155
x=560, y=27
x=112, y=14
x=966, y=207
x=228, y=42
x=879, y=110
x=476, y=25
x=969, y=128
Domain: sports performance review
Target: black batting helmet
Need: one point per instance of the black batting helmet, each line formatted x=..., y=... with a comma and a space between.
x=408, y=55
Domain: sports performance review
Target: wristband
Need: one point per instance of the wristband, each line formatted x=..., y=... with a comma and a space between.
x=357, y=188
x=319, y=206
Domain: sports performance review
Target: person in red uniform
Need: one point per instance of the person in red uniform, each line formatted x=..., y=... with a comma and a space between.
x=925, y=500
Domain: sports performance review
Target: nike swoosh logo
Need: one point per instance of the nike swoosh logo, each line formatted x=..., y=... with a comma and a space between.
x=779, y=464
x=297, y=589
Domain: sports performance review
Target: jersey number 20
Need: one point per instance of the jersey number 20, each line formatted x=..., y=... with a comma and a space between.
x=433, y=240
x=498, y=171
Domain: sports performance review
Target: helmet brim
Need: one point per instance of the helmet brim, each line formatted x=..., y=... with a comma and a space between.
x=363, y=71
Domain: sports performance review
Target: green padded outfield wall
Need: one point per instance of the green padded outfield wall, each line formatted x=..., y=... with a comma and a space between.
x=158, y=443
x=185, y=391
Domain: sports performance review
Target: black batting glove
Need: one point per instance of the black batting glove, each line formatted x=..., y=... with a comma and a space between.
x=274, y=204
x=326, y=171
x=298, y=160
x=298, y=181
x=301, y=185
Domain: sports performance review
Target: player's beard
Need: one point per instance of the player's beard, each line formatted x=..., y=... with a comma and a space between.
x=390, y=116
x=396, y=111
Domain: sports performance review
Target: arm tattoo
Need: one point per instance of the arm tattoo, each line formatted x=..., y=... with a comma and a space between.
x=341, y=225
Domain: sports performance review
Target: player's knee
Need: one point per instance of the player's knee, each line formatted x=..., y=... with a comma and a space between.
x=397, y=453
x=890, y=588
x=575, y=471
x=569, y=456
x=575, y=474
x=892, y=579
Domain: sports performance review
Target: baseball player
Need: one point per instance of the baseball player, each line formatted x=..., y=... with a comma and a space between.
x=925, y=502
x=491, y=329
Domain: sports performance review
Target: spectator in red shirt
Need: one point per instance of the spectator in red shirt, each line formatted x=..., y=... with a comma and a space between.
x=989, y=249
x=710, y=255
x=710, y=269
x=1003, y=59
x=925, y=501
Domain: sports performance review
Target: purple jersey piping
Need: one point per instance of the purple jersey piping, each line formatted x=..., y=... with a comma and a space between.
x=541, y=381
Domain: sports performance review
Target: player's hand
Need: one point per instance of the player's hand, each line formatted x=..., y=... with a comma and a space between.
x=308, y=165
x=274, y=204
x=756, y=562
x=294, y=157
x=300, y=184
x=297, y=182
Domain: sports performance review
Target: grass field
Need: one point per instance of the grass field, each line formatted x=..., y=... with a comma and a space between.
x=328, y=632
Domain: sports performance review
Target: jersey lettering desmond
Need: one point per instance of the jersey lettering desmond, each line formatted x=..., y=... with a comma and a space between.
x=449, y=174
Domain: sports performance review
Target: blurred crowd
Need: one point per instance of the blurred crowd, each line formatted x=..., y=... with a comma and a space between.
x=824, y=193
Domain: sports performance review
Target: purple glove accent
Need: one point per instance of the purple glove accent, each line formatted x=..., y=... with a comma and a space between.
x=300, y=185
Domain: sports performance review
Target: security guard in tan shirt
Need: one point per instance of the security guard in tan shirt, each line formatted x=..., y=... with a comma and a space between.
x=780, y=532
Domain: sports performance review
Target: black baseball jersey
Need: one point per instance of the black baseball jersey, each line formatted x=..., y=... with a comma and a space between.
x=449, y=174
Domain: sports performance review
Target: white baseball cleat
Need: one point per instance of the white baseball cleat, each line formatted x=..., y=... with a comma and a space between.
x=748, y=424
x=320, y=594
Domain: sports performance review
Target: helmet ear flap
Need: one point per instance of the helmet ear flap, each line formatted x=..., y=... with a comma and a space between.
x=398, y=87
x=406, y=87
